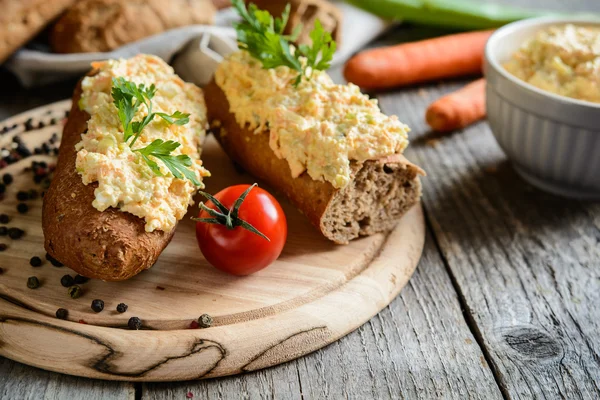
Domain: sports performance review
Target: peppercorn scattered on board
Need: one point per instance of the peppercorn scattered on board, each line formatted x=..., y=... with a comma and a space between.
x=315, y=293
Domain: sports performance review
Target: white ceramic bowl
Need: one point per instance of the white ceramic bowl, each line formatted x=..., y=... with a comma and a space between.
x=553, y=141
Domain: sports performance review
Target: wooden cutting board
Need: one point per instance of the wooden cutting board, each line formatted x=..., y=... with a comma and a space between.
x=314, y=294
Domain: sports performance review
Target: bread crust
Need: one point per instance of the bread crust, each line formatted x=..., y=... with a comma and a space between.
x=313, y=198
x=110, y=245
x=104, y=25
x=21, y=20
x=304, y=13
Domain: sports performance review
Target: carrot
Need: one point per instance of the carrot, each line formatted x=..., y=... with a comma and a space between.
x=459, y=109
x=426, y=60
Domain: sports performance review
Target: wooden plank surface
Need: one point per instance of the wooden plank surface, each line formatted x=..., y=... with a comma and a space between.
x=21, y=382
x=525, y=264
x=532, y=265
x=418, y=347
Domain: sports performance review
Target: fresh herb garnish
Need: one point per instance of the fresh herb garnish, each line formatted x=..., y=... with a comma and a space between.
x=178, y=165
x=128, y=98
x=262, y=36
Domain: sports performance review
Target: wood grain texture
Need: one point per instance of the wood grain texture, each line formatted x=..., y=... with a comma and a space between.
x=419, y=347
x=21, y=382
x=315, y=293
x=526, y=264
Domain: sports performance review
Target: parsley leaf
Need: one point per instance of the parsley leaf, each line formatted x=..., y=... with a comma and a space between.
x=178, y=165
x=262, y=36
x=128, y=97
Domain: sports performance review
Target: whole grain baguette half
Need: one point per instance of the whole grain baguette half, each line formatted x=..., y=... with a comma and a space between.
x=380, y=192
x=104, y=25
x=110, y=245
x=21, y=20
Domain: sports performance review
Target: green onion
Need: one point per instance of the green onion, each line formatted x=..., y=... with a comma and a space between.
x=461, y=14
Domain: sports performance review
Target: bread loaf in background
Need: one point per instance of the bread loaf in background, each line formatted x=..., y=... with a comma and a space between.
x=305, y=13
x=21, y=20
x=380, y=193
x=104, y=25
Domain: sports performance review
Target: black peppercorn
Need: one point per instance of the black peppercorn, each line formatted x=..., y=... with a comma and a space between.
x=23, y=150
x=41, y=125
x=33, y=282
x=67, y=281
x=97, y=305
x=7, y=179
x=22, y=208
x=205, y=321
x=53, y=260
x=80, y=279
x=22, y=196
x=45, y=148
x=2, y=188
x=15, y=233
x=53, y=121
x=29, y=124
x=3, y=231
x=35, y=261
x=4, y=219
x=62, y=313
x=121, y=308
x=74, y=291
x=3, y=246
x=134, y=323
x=1, y=271
x=37, y=150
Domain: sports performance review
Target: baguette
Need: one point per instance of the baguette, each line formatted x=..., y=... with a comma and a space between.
x=380, y=192
x=114, y=244
x=104, y=25
x=110, y=245
x=304, y=13
x=21, y=20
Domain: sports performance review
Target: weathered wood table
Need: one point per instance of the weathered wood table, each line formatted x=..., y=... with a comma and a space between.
x=505, y=302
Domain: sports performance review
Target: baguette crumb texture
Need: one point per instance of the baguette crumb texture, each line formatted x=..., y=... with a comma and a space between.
x=380, y=193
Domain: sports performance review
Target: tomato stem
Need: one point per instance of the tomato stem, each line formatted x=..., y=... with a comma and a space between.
x=227, y=217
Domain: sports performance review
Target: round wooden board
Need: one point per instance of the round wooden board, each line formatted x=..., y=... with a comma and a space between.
x=314, y=294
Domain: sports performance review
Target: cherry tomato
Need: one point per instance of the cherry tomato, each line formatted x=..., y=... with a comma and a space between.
x=235, y=249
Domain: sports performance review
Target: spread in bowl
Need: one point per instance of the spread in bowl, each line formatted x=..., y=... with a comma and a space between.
x=562, y=59
x=317, y=127
x=125, y=180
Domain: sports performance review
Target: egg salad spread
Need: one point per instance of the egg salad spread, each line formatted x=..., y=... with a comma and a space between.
x=562, y=59
x=125, y=181
x=317, y=127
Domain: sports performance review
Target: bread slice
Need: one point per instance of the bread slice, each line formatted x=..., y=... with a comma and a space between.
x=104, y=25
x=380, y=192
x=110, y=245
x=21, y=20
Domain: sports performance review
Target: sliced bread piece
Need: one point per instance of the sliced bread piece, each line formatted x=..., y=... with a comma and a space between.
x=380, y=192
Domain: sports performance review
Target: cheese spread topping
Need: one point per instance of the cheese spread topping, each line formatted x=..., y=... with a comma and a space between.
x=318, y=127
x=125, y=181
x=562, y=59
